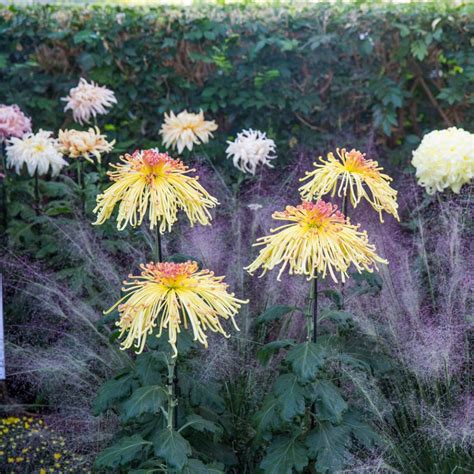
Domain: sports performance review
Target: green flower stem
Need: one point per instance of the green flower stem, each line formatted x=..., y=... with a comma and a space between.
x=5, y=196
x=172, y=402
x=158, y=251
x=345, y=211
x=172, y=367
x=314, y=307
x=37, y=194
x=80, y=181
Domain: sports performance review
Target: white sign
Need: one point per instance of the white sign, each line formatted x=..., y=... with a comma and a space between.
x=2, y=341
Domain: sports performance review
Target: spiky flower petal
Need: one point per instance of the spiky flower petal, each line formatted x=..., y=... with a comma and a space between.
x=151, y=182
x=318, y=239
x=445, y=159
x=38, y=151
x=251, y=148
x=186, y=130
x=77, y=143
x=88, y=100
x=352, y=175
x=174, y=296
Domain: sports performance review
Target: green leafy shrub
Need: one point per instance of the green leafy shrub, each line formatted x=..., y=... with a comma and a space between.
x=301, y=75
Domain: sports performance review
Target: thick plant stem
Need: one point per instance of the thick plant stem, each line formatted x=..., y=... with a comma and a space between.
x=158, y=251
x=314, y=307
x=5, y=196
x=37, y=192
x=171, y=394
x=344, y=205
x=80, y=182
x=313, y=328
x=174, y=375
x=345, y=211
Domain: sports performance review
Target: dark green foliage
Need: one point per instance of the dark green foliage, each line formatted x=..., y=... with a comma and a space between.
x=306, y=419
x=285, y=455
x=146, y=441
x=149, y=399
x=128, y=449
x=172, y=447
x=281, y=71
x=306, y=359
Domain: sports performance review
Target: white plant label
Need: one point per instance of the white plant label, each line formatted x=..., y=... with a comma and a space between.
x=2, y=340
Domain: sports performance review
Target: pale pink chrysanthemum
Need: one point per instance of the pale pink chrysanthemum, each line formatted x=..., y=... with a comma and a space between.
x=88, y=100
x=13, y=122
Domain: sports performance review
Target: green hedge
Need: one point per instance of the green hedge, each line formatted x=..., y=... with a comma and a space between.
x=305, y=75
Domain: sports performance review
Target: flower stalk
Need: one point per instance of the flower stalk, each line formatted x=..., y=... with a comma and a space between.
x=5, y=196
x=172, y=401
x=37, y=192
x=172, y=367
x=314, y=307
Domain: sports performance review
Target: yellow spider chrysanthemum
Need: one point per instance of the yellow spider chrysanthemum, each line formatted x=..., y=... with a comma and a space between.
x=318, y=239
x=152, y=181
x=358, y=178
x=171, y=296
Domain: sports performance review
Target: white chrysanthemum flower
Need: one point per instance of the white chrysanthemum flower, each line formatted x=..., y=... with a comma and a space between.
x=250, y=149
x=186, y=130
x=88, y=100
x=445, y=159
x=38, y=151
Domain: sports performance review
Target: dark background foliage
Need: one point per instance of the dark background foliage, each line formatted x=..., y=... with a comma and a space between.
x=303, y=76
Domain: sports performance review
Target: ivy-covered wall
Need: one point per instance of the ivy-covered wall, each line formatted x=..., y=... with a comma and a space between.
x=304, y=76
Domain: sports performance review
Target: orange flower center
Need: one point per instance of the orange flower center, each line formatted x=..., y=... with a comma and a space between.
x=318, y=215
x=355, y=161
x=313, y=215
x=171, y=275
x=153, y=164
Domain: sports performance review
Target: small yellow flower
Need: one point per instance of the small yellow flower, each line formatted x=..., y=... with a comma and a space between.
x=171, y=295
x=358, y=178
x=152, y=181
x=186, y=130
x=57, y=456
x=317, y=239
x=77, y=143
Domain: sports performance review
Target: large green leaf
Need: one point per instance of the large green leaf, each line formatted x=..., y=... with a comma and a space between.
x=195, y=466
x=291, y=396
x=267, y=418
x=341, y=318
x=172, y=447
x=306, y=359
x=124, y=452
x=199, y=423
x=274, y=313
x=266, y=352
x=150, y=366
x=147, y=399
x=361, y=430
x=285, y=455
x=201, y=392
x=330, y=405
x=113, y=391
x=327, y=443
